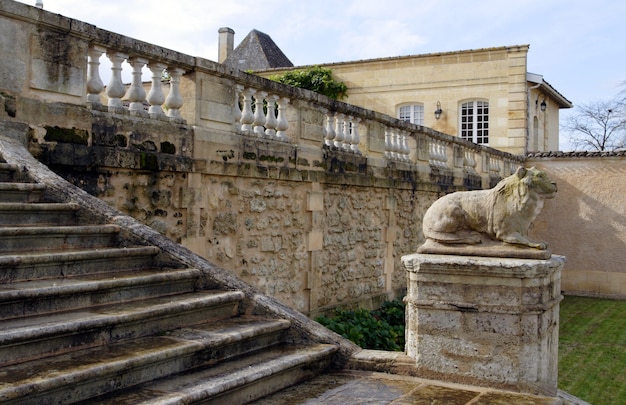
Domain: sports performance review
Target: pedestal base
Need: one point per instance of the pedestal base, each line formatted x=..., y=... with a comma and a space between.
x=485, y=321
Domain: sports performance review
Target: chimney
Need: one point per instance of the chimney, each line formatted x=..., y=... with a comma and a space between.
x=226, y=43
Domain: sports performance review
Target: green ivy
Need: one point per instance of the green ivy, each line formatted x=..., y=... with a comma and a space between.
x=382, y=329
x=317, y=79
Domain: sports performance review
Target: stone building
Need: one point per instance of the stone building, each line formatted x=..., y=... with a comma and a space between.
x=486, y=96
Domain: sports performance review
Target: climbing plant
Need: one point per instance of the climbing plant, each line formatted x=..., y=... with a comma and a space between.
x=317, y=79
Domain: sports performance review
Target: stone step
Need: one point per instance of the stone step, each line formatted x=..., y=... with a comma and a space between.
x=21, y=192
x=38, y=238
x=58, y=264
x=30, y=338
x=21, y=214
x=38, y=297
x=238, y=381
x=8, y=171
x=71, y=377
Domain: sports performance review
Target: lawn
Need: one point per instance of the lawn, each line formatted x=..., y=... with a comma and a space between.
x=592, y=349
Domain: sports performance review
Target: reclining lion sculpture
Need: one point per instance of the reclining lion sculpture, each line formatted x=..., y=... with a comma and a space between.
x=503, y=213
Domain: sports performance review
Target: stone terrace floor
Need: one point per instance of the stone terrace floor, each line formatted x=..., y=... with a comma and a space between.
x=351, y=387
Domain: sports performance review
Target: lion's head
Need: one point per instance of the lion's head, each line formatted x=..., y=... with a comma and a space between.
x=536, y=181
x=526, y=184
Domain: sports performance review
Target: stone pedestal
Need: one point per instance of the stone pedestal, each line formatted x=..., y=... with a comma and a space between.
x=485, y=321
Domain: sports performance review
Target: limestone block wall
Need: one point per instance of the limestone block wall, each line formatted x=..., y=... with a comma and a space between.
x=586, y=221
x=315, y=240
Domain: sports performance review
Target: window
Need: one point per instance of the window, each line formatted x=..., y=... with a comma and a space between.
x=413, y=113
x=475, y=122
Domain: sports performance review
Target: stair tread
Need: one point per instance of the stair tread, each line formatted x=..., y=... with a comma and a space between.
x=89, y=283
x=207, y=382
x=39, y=206
x=35, y=375
x=29, y=230
x=8, y=258
x=37, y=327
x=6, y=186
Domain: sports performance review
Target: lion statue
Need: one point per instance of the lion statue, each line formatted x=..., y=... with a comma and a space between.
x=503, y=213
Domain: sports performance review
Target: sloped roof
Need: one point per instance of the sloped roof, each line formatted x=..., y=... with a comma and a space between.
x=257, y=51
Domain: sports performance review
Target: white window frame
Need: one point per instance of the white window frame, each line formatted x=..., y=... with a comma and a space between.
x=474, y=121
x=413, y=113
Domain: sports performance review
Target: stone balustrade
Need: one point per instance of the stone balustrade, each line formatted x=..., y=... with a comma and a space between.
x=342, y=132
x=260, y=114
x=140, y=102
x=195, y=91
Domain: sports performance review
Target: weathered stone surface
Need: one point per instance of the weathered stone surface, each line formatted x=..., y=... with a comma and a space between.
x=502, y=214
x=485, y=321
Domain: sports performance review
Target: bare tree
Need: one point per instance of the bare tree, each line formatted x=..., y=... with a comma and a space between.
x=598, y=126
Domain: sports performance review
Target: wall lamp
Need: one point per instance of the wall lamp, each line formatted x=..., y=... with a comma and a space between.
x=543, y=104
x=438, y=111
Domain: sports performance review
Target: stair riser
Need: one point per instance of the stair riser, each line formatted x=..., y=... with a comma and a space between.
x=7, y=176
x=35, y=243
x=34, y=217
x=99, y=296
x=21, y=196
x=42, y=346
x=8, y=173
x=274, y=383
x=72, y=268
x=99, y=384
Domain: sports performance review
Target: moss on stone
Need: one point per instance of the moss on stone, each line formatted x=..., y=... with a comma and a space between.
x=67, y=135
x=249, y=155
x=273, y=159
x=168, y=147
x=148, y=161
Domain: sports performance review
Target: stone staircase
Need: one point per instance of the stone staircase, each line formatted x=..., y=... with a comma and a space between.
x=92, y=314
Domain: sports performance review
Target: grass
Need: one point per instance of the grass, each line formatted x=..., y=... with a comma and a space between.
x=592, y=349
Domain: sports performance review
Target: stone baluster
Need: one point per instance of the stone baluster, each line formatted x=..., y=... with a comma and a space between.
x=259, y=116
x=387, y=143
x=270, y=119
x=136, y=94
x=406, y=151
x=156, y=97
x=347, y=134
x=395, y=142
x=494, y=165
x=330, y=129
x=174, y=100
x=433, y=159
x=247, y=116
x=282, y=124
x=356, y=139
x=469, y=161
x=443, y=152
x=237, y=107
x=116, y=89
x=339, y=132
x=399, y=146
x=94, y=82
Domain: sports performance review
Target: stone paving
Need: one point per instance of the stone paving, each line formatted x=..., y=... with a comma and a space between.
x=351, y=387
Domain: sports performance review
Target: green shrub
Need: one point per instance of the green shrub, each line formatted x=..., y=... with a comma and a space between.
x=316, y=78
x=382, y=329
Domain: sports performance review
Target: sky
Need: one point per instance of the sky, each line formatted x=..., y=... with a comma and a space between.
x=578, y=46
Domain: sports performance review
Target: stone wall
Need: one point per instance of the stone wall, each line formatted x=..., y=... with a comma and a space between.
x=314, y=201
x=586, y=221
x=313, y=238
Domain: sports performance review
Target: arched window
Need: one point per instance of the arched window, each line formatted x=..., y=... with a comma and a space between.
x=475, y=121
x=413, y=113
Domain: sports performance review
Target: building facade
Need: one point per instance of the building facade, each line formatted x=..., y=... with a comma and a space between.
x=486, y=96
